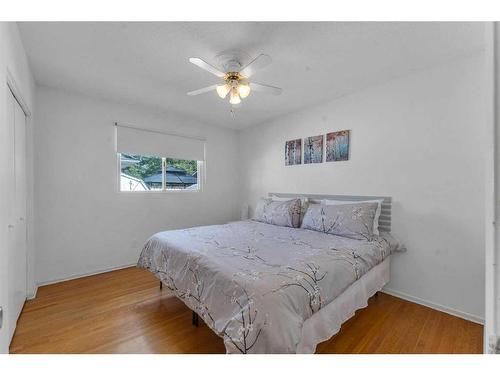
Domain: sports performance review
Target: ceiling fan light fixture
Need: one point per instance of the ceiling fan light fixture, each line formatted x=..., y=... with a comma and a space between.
x=235, y=98
x=243, y=90
x=223, y=90
x=235, y=85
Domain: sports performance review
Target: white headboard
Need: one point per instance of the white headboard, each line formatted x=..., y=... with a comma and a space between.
x=384, y=222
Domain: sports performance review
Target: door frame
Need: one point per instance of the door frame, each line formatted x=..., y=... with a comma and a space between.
x=492, y=190
x=18, y=95
x=11, y=83
x=20, y=98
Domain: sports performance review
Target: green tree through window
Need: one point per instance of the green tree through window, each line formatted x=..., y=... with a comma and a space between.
x=145, y=172
x=190, y=166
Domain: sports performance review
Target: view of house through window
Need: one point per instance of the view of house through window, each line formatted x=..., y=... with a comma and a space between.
x=145, y=173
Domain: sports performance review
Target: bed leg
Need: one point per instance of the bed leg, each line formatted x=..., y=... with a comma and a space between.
x=161, y=285
x=194, y=319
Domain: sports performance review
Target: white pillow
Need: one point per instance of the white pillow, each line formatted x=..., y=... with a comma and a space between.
x=377, y=213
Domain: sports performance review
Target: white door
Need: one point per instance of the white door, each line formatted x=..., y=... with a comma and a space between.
x=17, y=262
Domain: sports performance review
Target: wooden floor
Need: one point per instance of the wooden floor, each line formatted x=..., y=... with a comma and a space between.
x=125, y=312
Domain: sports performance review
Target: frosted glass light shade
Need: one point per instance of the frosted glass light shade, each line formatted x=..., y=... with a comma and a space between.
x=222, y=90
x=235, y=98
x=244, y=90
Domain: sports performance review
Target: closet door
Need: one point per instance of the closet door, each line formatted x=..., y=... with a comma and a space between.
x=17, y=215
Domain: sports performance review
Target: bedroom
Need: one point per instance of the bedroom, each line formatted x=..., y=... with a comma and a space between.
x=328, y=190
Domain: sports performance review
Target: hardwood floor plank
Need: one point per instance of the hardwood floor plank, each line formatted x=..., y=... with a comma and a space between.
x=124, y=311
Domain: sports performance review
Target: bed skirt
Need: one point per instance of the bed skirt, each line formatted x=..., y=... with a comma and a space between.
x=326, y=322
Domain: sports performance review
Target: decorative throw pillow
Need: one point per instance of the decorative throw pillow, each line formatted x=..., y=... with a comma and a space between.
x=377, y=214
x=304, y=201
x=285, y=214
x=347, y=220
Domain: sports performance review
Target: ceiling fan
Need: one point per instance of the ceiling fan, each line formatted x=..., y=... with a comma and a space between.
x=236, y=76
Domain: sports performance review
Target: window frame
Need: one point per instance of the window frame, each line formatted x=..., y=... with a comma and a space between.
x=200, y=172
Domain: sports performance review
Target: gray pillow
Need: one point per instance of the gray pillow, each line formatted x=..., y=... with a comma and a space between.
x=285, y=214
x=347, y=220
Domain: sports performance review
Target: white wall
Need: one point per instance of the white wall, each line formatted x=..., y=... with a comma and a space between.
x=83, y=224
x=418, y=139
x=13, y=60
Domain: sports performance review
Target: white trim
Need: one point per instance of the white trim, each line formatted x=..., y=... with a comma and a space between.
x=31, y=287
x=78, y=276
x=395, y=293
x=11, y=83
x=492, y=247
x=491, y=185
x=435, y=306
x=32, y=295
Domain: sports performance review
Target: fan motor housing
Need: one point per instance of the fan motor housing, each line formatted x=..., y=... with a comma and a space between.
x=233, y=78
x=233, y=60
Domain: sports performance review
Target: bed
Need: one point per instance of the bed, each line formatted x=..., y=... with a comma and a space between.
x=271, y=289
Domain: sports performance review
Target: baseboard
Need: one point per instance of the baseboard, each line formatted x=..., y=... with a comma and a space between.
x=392, y=292
x=33, y=293
x=435, y=306
x=77, y=276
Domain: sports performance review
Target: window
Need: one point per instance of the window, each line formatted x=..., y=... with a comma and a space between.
x=150, y=160
x=150, y=173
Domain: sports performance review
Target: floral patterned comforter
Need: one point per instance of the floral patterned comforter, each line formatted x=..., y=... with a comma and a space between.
x=255, y=284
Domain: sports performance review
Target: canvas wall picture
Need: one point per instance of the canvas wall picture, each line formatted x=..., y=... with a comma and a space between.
x=337, y=146
x=293, y=152
x=313, y=149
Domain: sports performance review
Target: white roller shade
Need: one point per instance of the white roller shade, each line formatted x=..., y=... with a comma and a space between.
x=146, y=142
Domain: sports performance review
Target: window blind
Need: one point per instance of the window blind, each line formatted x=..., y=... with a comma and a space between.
x=154, y=143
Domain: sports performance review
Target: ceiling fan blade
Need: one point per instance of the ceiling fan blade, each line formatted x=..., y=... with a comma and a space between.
x=266, y=88
x=206, y=66
x=203, y=90
x=258, y=63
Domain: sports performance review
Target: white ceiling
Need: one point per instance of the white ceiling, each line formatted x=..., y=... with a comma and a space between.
x=147, y=63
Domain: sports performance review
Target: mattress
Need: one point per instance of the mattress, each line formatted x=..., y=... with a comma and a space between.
x=263, y=288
